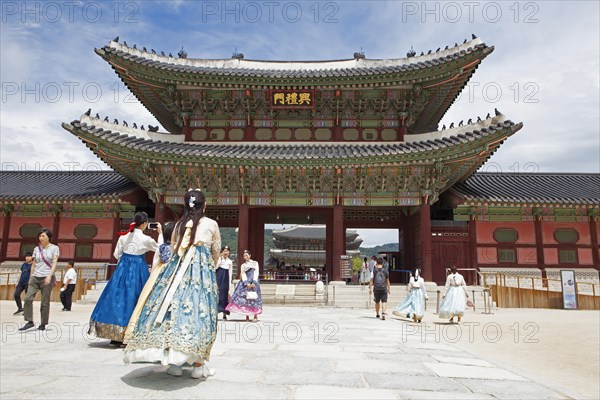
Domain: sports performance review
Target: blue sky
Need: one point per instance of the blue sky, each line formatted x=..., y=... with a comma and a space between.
x=544, y=71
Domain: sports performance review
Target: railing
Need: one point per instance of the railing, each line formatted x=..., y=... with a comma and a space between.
x=470, y=275
x=295, y=277
x=86, y=277
x=515, y=291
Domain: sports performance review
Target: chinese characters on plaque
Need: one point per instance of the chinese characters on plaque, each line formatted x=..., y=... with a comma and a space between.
x=286, y=99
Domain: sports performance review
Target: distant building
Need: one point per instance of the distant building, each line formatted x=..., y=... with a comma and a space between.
x=306, y=245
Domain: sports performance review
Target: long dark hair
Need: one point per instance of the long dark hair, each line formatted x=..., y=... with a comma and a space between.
x=168, y=231
x=193, y=209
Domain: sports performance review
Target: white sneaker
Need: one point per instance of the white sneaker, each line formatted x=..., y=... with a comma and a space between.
x=175, y=370
x=202, y=371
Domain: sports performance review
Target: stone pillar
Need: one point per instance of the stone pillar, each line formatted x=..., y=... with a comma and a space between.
x=339, y=241
x=243, y=226
x=425, y=223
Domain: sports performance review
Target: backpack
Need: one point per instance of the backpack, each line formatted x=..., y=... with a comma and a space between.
x=379, y=280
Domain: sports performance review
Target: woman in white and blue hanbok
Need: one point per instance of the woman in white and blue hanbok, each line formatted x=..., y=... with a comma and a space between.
x=365, y=273
x=455, y=300
x=178, y=324
x=414, y=304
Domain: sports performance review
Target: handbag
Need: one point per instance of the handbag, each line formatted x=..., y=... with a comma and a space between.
x=251, y=295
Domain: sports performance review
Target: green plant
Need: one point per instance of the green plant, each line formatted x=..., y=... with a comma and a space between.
x=357, y=265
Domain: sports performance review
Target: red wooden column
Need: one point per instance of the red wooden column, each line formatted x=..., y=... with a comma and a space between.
x=539, y=245
x=595, y=244
x=5, y=232
x=257, y=221
x=56, y=226
x=472, y=241
x=339, y=241
x=329, y=245
x=187, y=133
x=425, y=223
x=160, y=214
x=338, y=134
x=243, y=227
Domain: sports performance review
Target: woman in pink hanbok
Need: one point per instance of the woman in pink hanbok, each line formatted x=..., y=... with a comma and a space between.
x=246, y=298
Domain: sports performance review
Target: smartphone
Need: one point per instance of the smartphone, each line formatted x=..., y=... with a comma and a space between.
x=153, y=225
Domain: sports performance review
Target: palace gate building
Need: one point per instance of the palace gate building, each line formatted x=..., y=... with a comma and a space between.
x=347, y=143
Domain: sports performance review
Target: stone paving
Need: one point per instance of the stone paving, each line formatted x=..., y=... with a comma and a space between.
x=291, y=353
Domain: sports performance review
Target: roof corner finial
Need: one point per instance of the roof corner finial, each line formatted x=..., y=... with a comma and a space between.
x=359, y=54
x=237, y=55
x=411, y=52
x=116, y=39
x=182, y=53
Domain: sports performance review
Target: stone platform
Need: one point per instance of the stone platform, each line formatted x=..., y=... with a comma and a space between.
x=320, y=352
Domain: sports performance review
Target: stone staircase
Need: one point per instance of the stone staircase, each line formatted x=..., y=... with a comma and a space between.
x=92, y=295
x=342, y=296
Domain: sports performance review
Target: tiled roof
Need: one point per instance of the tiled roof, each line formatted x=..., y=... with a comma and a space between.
x=307, y=151
x=570, y=188
x=290, y=69
x=316, y=232
x=59, y=185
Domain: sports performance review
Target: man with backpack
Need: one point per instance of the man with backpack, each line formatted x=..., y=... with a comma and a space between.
x=380, y=285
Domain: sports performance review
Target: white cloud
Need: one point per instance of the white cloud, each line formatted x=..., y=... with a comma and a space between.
x=561, y=130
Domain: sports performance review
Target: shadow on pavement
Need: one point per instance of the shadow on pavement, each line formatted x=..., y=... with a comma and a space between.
x=154, y=377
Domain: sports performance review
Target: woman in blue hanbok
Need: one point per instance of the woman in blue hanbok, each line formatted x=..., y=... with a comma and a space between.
x=178, y=323
x=246, y=298
x=455, y=299
x=414, y=304
x=118, y=299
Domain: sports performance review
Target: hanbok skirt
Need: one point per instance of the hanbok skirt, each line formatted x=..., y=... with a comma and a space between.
x=156, y=272
x=178, y=322
x=414, y=304
x=223, y=283
x=365, y=276
x=454, y=303
x=240, y=304
x=118, y=299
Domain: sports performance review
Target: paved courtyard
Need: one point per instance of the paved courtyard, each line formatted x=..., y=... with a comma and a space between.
x=305, y=353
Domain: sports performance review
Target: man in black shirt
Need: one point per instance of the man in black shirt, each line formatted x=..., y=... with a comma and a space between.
x=23, y=282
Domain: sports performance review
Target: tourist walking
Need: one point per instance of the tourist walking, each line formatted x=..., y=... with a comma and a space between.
x=380, y=287
x=414, y=304
x=246, y=298
x=178, y=322
x=45, y=257
x=224, y=271
x=118, y=300
x=23, y=282
x=160, y=259
x=455, y=299
x=69, y=282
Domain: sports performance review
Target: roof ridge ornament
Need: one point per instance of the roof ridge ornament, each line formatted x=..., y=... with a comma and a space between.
x=411, y=52
x=237, y=55
x=182, y=53
x=359, y=54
